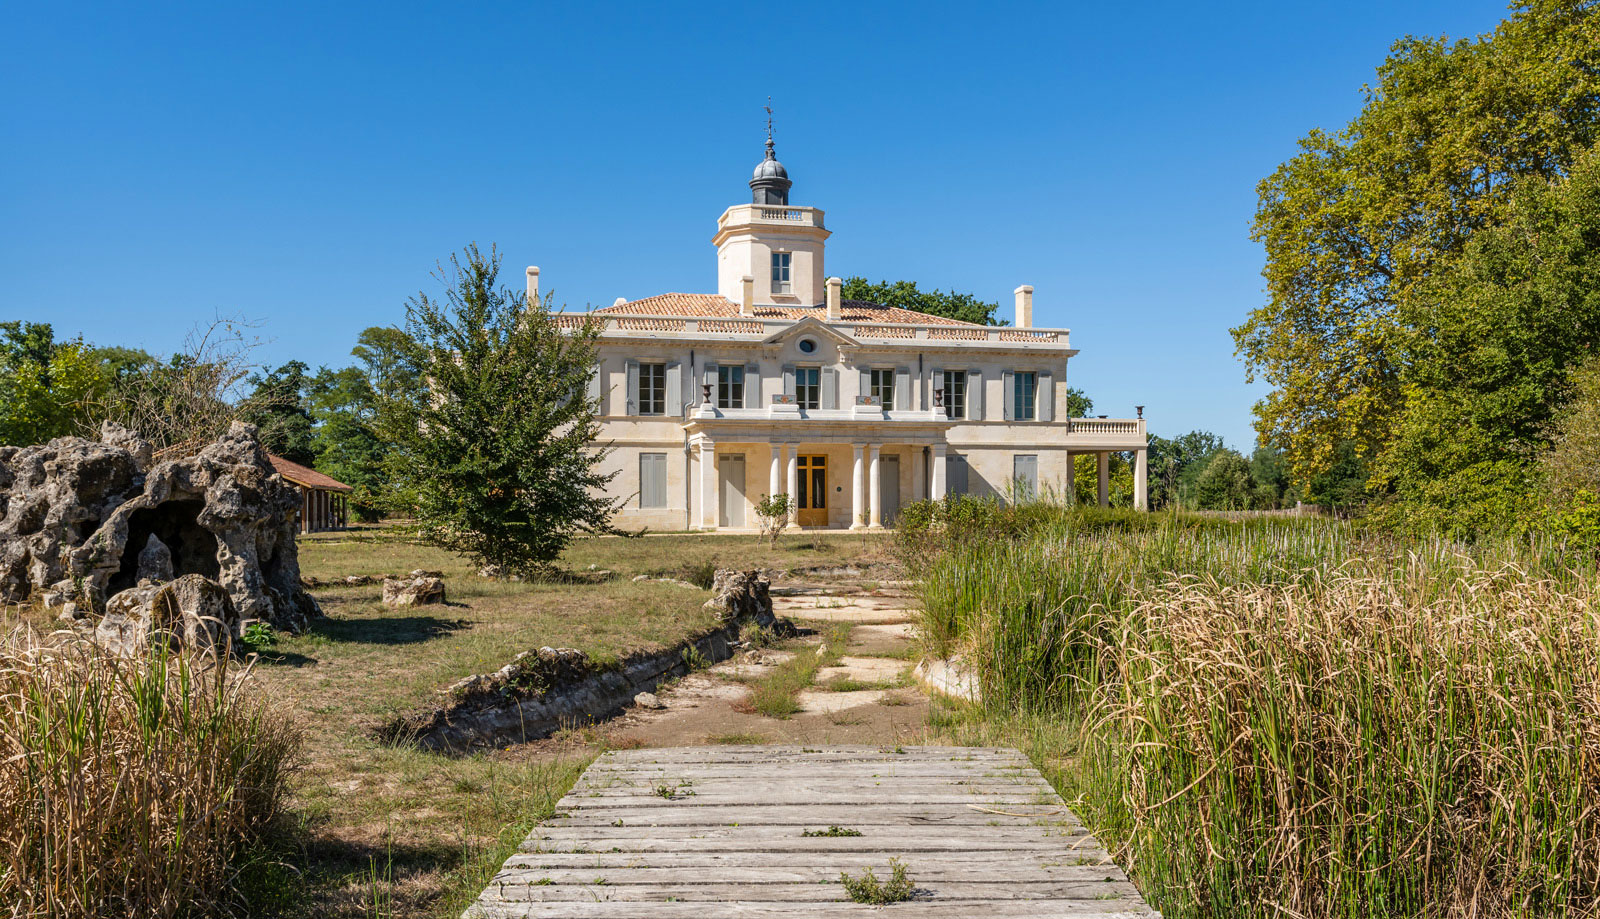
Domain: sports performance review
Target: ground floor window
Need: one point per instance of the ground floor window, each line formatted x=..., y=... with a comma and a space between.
x=652, y=480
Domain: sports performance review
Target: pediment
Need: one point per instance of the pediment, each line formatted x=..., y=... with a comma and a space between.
x=810, y=326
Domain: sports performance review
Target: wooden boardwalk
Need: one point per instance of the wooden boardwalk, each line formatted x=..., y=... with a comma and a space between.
x=716, y=833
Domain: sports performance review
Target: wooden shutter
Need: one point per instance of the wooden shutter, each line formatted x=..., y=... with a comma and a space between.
x=674, y=388
x=711, y=378
x=595, y=392
x=974, y=395
x=830, y=387
x=752, y=386
x=1044, y=397
x=633, y=389
x=1008, y=395
x=936, y=382
x=955, y=474
x=652, y=480
x=902, y=388
x=788, y=379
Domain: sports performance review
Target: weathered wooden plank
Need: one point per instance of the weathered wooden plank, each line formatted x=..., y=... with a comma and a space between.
x=830, y=891
x=948, y=909
x=719, y=832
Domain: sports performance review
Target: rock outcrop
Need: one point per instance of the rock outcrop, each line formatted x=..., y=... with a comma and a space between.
x=83, y=521
x=191, y=612
x=742, y=596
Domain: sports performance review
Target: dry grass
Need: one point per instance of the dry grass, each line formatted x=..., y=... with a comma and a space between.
x=774, y=693
x=131, y=787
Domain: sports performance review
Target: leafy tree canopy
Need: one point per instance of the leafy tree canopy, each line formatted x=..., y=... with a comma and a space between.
x=1357, y=223
x=906, y=295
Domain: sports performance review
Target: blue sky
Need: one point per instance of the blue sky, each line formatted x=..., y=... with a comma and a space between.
x=304, y=166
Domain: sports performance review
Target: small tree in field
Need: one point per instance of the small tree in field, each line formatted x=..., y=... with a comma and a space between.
x=773, y=513
x=493, y=453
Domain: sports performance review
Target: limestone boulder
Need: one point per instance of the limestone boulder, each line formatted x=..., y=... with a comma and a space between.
x=97, y=517
x=410, y=591
x=742, y=596
x=191, y=613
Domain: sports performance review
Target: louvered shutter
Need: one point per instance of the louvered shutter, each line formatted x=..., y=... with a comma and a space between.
x=830, y=387
x=936, y=384
x=866, y=382
x=902, y=388
x=709, y=378
x=674, y=389
x=595, y=375
x=1044, y=399
x=1008, y=394
x=975, y=395
x=752, y=386
x=633, y=389
x=788, y=379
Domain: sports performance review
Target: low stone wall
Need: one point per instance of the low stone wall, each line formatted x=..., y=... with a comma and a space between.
x=479, y=721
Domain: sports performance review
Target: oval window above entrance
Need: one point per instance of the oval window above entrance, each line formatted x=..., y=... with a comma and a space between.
x=808, y=345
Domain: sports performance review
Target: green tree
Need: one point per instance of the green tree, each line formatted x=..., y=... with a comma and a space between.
x=47, y=388
x=1225, y=483
x=906, y=295
x=1274, y=487
x=347, y=446
x=1079, y=405
x=279, y=407
x=497, y=460
x=1175, y=463
x=1572, y=464
x=1357, y=221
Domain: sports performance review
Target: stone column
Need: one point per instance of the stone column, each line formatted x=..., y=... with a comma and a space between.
x=775, y=477
x=708, y=484
x=858, y=491
x=1141, y=480
x=874, y=488
x=1103, y=458
x=792, y=451
x=1072, y=473
x=938, y=486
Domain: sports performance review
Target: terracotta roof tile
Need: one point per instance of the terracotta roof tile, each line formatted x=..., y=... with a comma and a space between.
x=306, y=476
x=714, y=306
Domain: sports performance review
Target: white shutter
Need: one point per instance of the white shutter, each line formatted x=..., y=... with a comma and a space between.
x=674, y=389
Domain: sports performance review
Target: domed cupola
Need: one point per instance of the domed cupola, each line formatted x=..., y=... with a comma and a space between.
x=770, y=182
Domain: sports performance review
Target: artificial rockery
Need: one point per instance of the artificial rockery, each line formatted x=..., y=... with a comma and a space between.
x=189, y=549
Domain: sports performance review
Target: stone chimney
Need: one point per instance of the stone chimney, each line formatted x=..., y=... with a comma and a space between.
x=620, y=301
x=834, y=286
x=533, y=283
x=747, y=304
x=1024, y=306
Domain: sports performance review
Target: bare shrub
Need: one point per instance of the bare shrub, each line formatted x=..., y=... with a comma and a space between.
x=130, y=787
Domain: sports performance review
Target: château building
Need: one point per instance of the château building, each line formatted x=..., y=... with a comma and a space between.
x=775, y=384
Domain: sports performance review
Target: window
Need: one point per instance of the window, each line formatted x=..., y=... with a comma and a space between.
x=652, y=480
x=808, y=345
x=808, y=386
x=1025, y=387
x=730, y=386
x=955, y=393
x=883, y=386
x=780, y=273
x=652, y=389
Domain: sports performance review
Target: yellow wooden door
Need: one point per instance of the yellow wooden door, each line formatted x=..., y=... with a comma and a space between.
x=812, y=499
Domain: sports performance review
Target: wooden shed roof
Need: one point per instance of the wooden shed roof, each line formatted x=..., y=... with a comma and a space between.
x=305, y=476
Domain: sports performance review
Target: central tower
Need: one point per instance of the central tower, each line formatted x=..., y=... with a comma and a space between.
x=776, y=244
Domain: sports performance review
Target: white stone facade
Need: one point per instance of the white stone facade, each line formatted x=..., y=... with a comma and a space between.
x=710, y=401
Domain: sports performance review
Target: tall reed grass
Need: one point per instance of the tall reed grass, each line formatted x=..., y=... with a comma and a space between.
x=1287, y=719
x=130, y=787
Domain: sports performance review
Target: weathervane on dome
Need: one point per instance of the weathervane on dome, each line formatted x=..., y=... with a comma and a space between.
x=769, y=127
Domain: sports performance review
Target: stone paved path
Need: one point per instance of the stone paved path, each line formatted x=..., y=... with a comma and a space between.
x=719, y=832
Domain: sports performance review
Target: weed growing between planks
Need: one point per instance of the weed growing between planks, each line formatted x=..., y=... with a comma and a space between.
x=868, y=889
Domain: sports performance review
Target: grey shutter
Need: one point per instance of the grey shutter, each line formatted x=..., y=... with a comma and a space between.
x=1044, y=398
x=1025, y=476
x=955, y=474
x=902, y=388
x=674, y=388
x=975, y=395
x=936, y=383
x=633, y=389
x=752, y=386
x=652, y=480
x=788, y=379
x=866, y=381
x=1008, y=394
x=595, y=392
x=830, y=387
x=711, y=378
